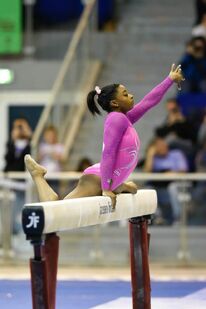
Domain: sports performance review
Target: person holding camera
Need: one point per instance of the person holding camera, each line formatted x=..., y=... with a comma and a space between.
x=193, y=65
x=18, y=145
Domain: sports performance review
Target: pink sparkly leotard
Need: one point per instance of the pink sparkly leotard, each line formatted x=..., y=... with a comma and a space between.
x=121, y=142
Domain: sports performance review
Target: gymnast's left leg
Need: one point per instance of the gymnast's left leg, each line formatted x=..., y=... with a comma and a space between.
x=37, y=172
x=88, y=185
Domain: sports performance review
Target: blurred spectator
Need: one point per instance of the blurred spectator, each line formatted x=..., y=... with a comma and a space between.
x=18, y=145
x=202, y=132
x=83, y=164
x=160, y=159
x=200, y=10
x=201, y=159
x=177, y=130
x=200, y=29
x=50, y=153
x=199, y=190
x=194, y=66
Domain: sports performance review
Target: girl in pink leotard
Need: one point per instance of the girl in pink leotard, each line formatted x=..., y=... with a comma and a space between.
x=121, y=142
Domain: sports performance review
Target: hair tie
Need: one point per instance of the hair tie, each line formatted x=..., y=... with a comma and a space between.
x=98, y=90
x=96, y=99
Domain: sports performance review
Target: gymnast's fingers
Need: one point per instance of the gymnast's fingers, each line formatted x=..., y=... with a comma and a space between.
x=114, y=201
x=112, y=196
x=173, y=67
x=178, y=68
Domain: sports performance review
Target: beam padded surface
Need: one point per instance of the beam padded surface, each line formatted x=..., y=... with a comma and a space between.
x=74, y=213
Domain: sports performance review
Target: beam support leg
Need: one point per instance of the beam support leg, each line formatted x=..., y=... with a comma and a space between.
x=139, y=254
x=43, y=269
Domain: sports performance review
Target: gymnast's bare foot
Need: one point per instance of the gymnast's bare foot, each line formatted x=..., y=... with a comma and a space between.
x=33, y=167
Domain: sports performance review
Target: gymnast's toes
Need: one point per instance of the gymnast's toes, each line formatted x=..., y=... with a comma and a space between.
x=33, y=167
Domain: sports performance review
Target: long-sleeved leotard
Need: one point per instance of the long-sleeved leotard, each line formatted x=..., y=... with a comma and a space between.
x=121, y=142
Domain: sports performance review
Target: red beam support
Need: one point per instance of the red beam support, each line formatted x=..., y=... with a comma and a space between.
x=44, y=272
x=45, y=262
x=139, y=254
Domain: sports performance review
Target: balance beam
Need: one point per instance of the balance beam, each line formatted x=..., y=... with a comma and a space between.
x=41, y=222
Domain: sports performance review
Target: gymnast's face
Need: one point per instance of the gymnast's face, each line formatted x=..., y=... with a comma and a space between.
x=123, y=101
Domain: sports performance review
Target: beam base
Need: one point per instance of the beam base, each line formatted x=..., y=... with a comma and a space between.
x=139, y=255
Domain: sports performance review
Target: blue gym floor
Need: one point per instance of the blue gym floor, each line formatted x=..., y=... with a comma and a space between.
x=107, y=294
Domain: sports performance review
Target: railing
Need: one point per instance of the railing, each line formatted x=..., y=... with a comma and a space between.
x=73, y=73
x=134, y=176
x=9, y=183
x=9, y=179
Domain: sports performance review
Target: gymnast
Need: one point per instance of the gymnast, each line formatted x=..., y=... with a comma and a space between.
x=121, y=143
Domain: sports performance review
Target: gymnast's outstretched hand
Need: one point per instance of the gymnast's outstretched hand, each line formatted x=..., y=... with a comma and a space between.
x=112, y=195
x=176, y=75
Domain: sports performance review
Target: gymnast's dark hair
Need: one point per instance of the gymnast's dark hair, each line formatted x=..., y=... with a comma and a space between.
x=103, y=99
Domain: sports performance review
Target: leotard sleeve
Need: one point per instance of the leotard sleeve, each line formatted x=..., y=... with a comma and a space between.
x=150, y=100
x=114, y=129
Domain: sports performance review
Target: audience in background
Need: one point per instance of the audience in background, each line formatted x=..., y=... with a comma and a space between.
x=83, y=164
x=201, y=159
x=194, y=66
x=160, y=159
x=202, y=132
x=199, y=190
x=50, y=153
x=200, y=10
x=178, y=131
x=200, y=29
x=18, y=145
x=180, y=142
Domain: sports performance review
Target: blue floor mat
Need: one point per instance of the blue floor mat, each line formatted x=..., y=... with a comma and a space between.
x=87, y=294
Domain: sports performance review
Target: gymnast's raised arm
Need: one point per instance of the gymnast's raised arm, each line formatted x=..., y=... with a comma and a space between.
x=155, y=95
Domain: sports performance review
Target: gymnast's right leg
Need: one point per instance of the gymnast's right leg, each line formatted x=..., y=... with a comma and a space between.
x=88, y=185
